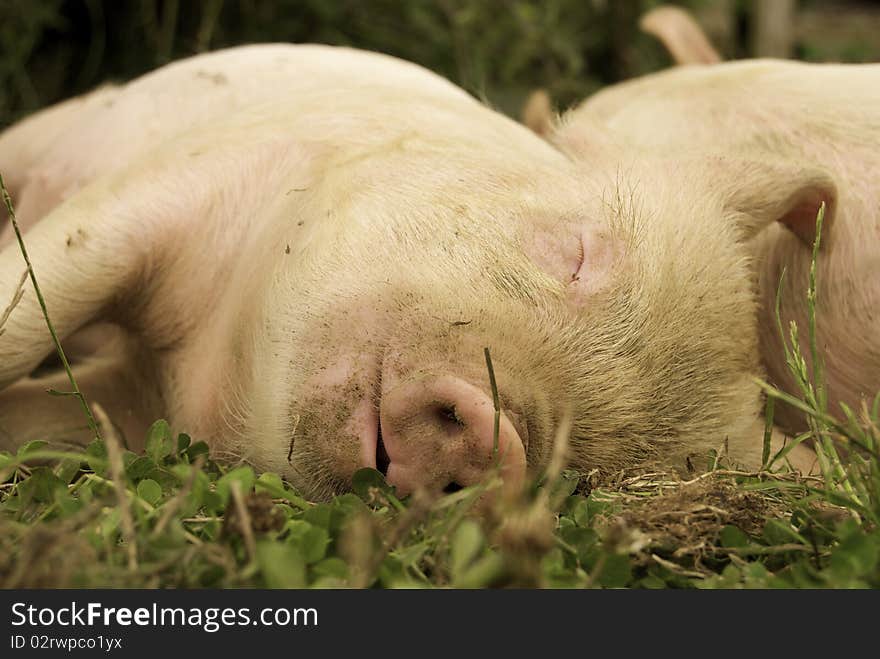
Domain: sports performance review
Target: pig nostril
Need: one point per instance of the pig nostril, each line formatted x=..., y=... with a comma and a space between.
x=449, y=419
x=382, y=459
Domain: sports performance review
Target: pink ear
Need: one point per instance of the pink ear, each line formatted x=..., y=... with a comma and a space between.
x=784, y=192
x=538, y=114
x=801, y=216
x=680, y=33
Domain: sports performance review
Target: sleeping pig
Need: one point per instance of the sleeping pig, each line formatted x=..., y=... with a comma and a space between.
x=818, y=121
x=305, y=250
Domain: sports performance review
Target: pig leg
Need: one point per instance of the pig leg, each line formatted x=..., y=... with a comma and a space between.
x=25, y=153
x=33, y=200
x=110, y=378
x=85, y=261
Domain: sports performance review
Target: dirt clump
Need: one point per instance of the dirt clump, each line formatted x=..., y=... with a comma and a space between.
x=683, y=522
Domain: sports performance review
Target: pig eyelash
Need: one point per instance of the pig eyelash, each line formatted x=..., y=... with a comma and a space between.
x=575, y=276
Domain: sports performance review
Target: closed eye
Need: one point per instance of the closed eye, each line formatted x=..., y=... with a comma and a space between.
x=578, y=273
x=595, y=261
x=578, y=256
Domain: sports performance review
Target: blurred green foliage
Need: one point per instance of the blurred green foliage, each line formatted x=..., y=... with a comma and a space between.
x=497, y=49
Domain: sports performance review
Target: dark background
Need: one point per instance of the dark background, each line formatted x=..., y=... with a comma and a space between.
x=497, y=49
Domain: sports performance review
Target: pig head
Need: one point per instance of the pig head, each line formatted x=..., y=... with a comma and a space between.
x=306, y=274
x=774, y=121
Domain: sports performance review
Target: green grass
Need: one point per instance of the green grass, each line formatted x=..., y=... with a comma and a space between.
x=196, y=523
x=497, y=49
x=174, y=517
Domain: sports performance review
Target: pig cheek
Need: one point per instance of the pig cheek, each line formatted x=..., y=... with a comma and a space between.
x=349, y=383
x=336, y=374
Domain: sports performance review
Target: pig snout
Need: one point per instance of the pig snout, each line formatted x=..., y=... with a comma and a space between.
x=439, y=433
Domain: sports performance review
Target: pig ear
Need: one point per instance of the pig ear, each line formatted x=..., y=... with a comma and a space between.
x=790, y=194
x=585, y=138
x=538, y=114
x=680, y=34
